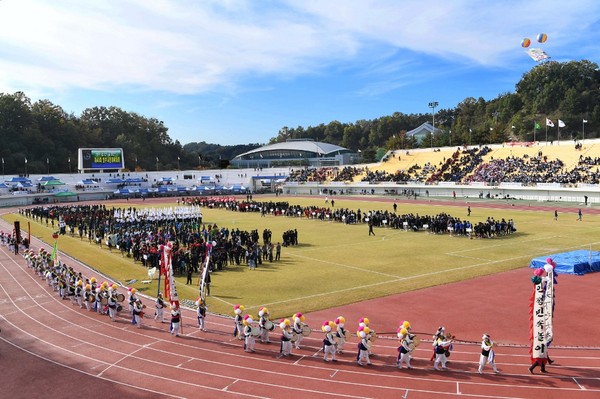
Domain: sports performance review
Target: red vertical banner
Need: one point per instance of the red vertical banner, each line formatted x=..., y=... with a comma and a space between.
x=170, y=287
x=165, y=254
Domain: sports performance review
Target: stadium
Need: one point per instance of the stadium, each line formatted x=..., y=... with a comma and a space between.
x=359, y=276
x=532, y=171
x=295, y=153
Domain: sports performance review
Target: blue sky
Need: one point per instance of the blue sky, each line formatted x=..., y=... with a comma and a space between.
x=236, y=71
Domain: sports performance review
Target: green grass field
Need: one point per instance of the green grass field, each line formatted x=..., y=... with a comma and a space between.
x=337, y=264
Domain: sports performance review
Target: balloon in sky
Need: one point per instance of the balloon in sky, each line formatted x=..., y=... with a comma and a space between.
x=536, y=54
x=542, y=37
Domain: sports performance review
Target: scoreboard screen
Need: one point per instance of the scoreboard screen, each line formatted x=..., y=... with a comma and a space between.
x=101, y=158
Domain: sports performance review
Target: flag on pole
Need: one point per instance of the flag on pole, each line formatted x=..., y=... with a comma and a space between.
x=585, y=121
x=549, y=123
x=536, y=125
x=561, y=123
x=54, y=256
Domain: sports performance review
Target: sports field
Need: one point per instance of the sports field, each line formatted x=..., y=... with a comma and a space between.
x=336, y=264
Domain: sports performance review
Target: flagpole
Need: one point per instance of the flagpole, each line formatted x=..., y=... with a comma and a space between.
x=583, y=126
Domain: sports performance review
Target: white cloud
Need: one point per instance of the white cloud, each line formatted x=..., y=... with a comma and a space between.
x=189, y=47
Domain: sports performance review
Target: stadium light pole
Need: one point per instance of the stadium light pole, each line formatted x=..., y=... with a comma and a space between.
x=48, y=165
x=432, y=105
x=25, y=166
x=69, y=165
x=2, y=168
x=495, y=115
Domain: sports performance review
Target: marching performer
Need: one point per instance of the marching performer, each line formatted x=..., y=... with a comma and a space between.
x=340, y=333
x=137, y=313
x=86, y=294
x=442, y=346
x=175, y=320
x=132, y=298
x=298, y=326
x=249, y=340
x=159, y=313
x=262, y=322
x=329, y=344
x=201, y=312
x=406, y=339
x=286, y=337
x=364, y=322
x=238, y=321
x=98, y=303
x=79, y=293
x=112, y=305
x=363, y=346
x=487, y=354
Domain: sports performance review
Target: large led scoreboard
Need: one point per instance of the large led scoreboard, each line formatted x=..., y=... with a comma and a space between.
x=97, y=159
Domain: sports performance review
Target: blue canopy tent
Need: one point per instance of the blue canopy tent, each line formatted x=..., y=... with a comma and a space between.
x=115, y=181
x=16, y=180
x=124, y=191
x=131, y=180
x=577, y=262
x=47, y=178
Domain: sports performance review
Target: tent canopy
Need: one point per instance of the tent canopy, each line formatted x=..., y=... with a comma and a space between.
x=18, y=180
x=577, y=262
x=52, y=183
x=47, y=178
x=64, y=194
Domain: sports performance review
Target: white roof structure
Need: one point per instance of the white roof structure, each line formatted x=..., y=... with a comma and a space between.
x=293, y=151
x=420, y=132
x=323, y=149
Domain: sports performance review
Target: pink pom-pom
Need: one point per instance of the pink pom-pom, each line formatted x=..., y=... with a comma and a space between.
x=539, y=272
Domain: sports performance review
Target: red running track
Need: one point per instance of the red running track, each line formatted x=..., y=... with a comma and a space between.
x=49, y=346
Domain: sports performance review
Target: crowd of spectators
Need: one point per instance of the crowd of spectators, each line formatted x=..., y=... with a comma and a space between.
x=467, y=165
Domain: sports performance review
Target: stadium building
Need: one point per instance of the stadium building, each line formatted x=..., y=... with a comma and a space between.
x=295, y=153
